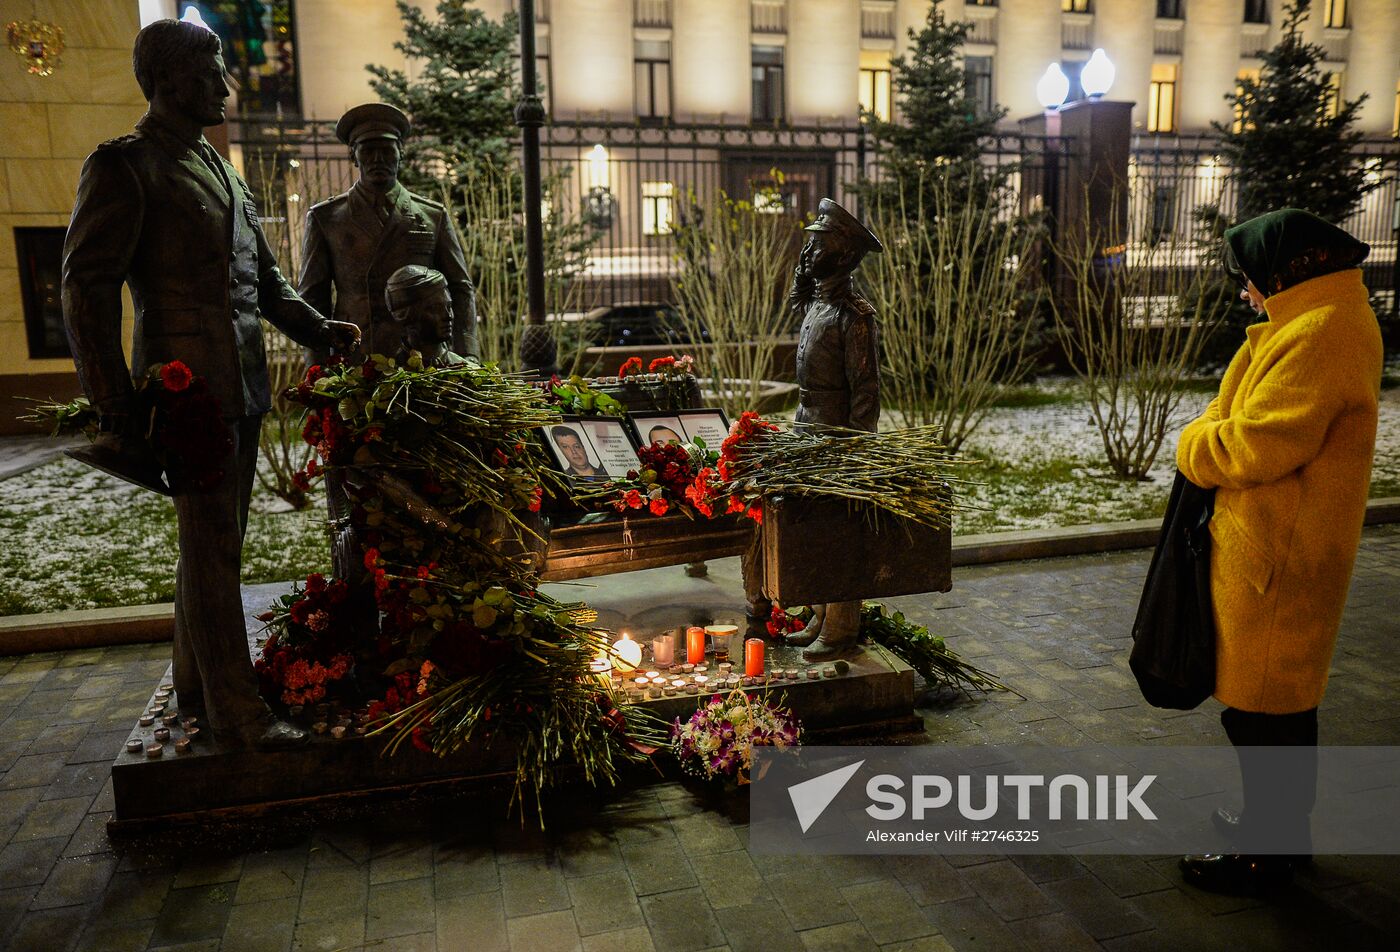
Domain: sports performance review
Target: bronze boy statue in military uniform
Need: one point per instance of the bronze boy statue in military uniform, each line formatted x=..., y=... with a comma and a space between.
x=162, y=212
x=420, y=303
x=356, y=240
x=838, y=373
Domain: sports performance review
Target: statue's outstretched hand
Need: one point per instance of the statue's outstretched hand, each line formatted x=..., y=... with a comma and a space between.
x=345, y=336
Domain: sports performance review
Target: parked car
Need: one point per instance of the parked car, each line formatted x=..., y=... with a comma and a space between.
x=632, y=324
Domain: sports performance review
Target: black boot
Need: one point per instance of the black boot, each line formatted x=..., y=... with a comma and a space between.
x=1237, y=874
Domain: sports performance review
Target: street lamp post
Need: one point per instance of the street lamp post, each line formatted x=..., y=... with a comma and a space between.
x=537, y=351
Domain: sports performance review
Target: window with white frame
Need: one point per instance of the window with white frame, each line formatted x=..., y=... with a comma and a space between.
x=651, y=64
x=657, y=200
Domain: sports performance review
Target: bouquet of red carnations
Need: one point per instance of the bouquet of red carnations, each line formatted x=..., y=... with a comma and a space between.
x=174, y=412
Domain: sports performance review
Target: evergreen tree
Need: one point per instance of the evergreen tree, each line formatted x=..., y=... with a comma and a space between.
x=939, y=128
x=1293, y=143
x=462, y=102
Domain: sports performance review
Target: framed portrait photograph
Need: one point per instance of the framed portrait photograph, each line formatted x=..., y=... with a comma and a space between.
x=573, y=451
x=710, y=425
x=658, y=427
x=614, y=446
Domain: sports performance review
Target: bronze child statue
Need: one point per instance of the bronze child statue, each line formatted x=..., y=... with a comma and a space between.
x=838, y=374
x=160, y=211
x=420, y=303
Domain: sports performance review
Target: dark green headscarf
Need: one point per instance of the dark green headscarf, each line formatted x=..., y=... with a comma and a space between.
x=1287, y=247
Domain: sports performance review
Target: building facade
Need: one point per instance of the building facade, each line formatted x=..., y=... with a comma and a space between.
x=805, y=62
x=651, y=101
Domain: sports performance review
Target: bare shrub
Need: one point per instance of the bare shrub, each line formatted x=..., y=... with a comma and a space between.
x=951, y=295
x=1134, y=323
x=736, y=264
x=487, y=199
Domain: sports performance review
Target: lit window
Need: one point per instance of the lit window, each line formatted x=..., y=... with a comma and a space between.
x=875, y=84
x=1161, y=99
x=1334, y=95
x=1334, y=14
x=1242, y=77
x=1074, y=6
x=652, y=78
x=768, y=83
x=656, y=207
x=977, y=79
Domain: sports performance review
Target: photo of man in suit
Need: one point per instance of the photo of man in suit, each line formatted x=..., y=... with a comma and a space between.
x=574, y=453
x=356, y=240
x=162, y=212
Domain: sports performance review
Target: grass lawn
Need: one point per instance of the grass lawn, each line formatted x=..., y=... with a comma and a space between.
x=76, y=538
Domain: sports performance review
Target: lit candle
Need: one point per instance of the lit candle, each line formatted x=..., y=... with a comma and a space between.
x=663, y=650
x=627, y=654
x=640, y=684
x=653, y=674
x=829, y=671
x=694, y=645
x=753, y=657
x=678, y=684
x=154, y=750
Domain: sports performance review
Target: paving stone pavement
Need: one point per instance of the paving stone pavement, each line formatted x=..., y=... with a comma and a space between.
x=663, y=868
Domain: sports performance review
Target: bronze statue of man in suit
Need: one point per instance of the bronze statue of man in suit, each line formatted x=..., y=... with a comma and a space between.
x=838, y=373
x=356, y=240
x=160, y=210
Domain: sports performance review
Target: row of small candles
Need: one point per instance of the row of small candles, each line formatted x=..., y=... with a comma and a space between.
x=621, y=664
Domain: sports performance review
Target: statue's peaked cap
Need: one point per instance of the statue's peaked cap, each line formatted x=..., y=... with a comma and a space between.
x=372, y=120
x=831, y=217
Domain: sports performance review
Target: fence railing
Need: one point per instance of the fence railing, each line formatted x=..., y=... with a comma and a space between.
x=632, y=183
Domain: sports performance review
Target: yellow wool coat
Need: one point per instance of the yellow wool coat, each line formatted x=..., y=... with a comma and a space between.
x=1288, y=445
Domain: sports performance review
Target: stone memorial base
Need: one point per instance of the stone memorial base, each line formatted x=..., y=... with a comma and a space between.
x=874, y=698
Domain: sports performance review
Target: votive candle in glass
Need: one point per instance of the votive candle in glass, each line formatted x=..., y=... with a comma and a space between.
x=695, y=645
x=753, y=658
x=663, y=650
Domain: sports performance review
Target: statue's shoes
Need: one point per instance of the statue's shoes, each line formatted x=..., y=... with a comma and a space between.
x=824, y=650
x=279, y=735
x=803, y=638
x=266, y=734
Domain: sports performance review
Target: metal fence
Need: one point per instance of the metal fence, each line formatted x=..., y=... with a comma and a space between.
x=1170, y=179
x=631, y=182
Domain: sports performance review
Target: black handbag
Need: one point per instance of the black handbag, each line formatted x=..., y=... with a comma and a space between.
x=1173, y=656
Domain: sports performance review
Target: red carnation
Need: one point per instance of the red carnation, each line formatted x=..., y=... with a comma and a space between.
x=632, y=365
x=371, y=558
x=659, y=507
x=176, y=376
x=633, y=499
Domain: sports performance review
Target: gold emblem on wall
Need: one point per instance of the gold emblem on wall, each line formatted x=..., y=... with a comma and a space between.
x=36, y=42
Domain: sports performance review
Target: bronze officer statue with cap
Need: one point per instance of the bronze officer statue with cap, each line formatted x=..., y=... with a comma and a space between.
x=356, y=240
x=838, y=373
x=160, y=211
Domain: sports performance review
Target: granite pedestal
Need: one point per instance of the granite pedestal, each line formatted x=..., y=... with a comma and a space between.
x=874, y=698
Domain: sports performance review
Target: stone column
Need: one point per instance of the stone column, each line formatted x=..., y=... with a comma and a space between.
x=591, y=47
x=822, y=63
x=710, y=61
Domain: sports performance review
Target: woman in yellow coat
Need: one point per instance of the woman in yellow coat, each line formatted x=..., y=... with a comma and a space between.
x=1287, y=445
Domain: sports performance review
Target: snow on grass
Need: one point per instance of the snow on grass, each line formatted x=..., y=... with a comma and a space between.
x=77, y=538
